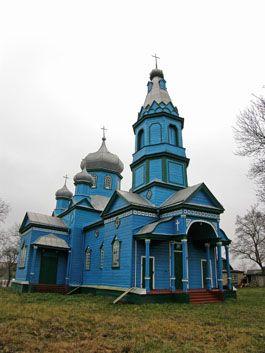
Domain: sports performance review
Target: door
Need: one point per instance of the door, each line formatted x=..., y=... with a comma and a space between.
x=204, y=272
x=48, y=267
x=178, y=269
x=152, y=262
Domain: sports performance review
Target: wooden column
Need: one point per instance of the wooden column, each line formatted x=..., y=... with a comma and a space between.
x=208, y=262
x=185, y=281
x=172, y=277
x=67, y=278
x=219, y=266
x=32, y=270
x=147, y=265
x=229, y=279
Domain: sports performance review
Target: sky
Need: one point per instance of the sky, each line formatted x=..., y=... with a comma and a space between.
x=69, y=67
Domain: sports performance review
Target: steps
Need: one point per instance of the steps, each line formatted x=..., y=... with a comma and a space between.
x=50, y=288
x=204, y=296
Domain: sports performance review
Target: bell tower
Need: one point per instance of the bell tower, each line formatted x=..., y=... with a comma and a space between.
x=159, y=164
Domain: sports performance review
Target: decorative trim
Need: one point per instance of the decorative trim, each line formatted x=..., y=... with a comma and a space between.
x=201, y=214
x=172, y=214
x=129, y=213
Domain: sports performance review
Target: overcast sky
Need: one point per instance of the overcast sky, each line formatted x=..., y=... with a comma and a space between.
x=68, y=67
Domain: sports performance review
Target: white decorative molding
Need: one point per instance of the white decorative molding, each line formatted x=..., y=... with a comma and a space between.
x=129, y=213
x=201, y=214
x=171, y=214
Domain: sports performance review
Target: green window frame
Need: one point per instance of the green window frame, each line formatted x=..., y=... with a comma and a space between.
x=101, y=256
x=88, y=259
x=23, y=254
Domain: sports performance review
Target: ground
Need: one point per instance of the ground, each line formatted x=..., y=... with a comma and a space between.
x=85, y=323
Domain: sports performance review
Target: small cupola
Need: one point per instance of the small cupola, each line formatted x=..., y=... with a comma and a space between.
x=63, y=198
x=63, y=193
x=83, y=177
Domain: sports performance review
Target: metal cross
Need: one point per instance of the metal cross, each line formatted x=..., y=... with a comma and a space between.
x=65, y=177
x=177, y=224
x=156, y=57
x=104, y=129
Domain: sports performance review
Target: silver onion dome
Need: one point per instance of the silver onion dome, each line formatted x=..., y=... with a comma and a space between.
x=156, y=93
x=83, y=177
x=103, y=159
x=64, y=193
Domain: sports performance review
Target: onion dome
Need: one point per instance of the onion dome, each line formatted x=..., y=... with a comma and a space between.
x=83, y=177
x=63, y=193
x=157, y=89
x=103, y=159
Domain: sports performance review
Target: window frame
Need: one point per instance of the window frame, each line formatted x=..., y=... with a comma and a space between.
x=101, y=256
x=116, y=264
x=88, y=258
x=23, y=255
x=108, y=179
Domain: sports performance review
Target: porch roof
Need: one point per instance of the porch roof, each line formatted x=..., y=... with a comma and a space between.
x=52, y=241
x=152, y=229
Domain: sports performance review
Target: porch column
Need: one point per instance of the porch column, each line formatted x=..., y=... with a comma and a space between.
x=32, y=270
x=219, y=266
x=147, y=265
x=172, y=277
x=208, y=262
x=185, y=280
x=68, y=268
x=229, y=279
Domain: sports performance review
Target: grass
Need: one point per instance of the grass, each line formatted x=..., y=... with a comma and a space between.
x=83, y=323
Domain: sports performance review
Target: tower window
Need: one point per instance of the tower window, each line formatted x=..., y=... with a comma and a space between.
x=101, y=262
x=23, y=253
x=162, y=84
x=140, y=140
x=116, y=252
x=155, y=134
x=95, y=179
x=173, y=135
x=88, y=259
x=107, y=182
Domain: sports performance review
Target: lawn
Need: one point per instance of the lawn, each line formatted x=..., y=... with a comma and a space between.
x=85, y=323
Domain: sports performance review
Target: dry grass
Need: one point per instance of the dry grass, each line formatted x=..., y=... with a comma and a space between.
x=83, y=323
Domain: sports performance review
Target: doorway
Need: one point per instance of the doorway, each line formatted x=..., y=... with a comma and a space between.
x=48, y=267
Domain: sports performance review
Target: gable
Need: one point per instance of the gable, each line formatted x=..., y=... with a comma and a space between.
x=118, y=204
x=202, y=198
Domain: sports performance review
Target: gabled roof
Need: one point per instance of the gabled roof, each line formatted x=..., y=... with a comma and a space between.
x=51, y=240
x=130, y=198
x=99, y=202
x=32, y=218
x=185, y=196
x=134, y=199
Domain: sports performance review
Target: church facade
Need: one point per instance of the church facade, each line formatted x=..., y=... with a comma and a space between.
x=161, y=239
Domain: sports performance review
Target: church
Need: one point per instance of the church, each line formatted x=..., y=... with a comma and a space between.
x=159, y=241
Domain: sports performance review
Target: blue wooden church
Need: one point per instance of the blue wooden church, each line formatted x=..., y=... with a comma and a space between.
x=161, y=240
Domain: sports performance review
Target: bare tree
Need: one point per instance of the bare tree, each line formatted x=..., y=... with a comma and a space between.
x=4, y=210
x=250, y=138
x=9, y=241
x=250, y=237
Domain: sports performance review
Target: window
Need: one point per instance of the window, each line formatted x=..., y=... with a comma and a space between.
x=107, y=182
x=88, y=259
x=101, y=256
x=95, y=179
x=23, y=253
x=155, y=134
x=173, y=135
x=116, y=253
x=140, y=140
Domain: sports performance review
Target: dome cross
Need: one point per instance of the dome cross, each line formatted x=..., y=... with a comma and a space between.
x=156, y=57
x=66, y=177
x=104, y=135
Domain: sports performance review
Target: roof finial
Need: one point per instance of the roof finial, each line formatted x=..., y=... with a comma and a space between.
x=65, y=177
x=104, y=136
x=156, y=57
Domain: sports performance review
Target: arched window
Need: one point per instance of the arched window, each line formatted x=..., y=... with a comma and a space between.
x=107, y=182
x=140, y=140
x=173, y=135
x=88, y=259
x=155, y=134
x=23, y=253
x=101, y=263
x=116, y=245
x=95, y=179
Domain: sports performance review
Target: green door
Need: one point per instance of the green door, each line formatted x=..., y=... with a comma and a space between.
x=48, y=268
x=178, y=269
x=204, y=273
x=151, y=272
